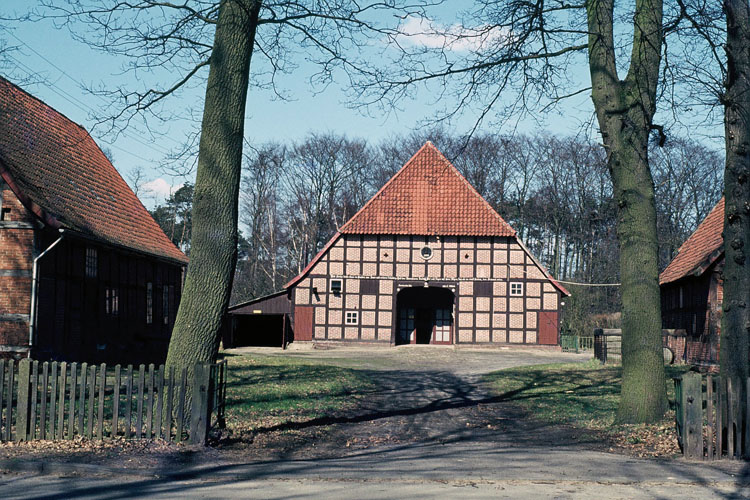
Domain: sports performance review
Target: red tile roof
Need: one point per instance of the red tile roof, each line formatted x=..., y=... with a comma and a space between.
x=428, y=196
x=700, y=250
x=59, y=173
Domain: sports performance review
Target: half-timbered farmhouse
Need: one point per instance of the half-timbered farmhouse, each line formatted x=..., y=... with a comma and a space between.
x=85, y=272
x=426, y=261
x=692, y=292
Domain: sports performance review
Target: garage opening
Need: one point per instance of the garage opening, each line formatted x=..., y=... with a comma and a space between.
x=425, y=316
x=263, y=330
x=262, y=322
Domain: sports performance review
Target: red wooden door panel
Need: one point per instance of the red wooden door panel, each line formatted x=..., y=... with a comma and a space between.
x=303, y=323
x=547, y=322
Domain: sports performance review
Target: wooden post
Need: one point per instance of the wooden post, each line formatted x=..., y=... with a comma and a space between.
x=92, y=397
x=82, y=399
x=128, y=401
x=199, y=418
x=720, y=399
x=170, y=395
x=710, y=417
x=150, y=402
x=43, y=410
x=181, y=405
x=116, y=402
x=730, y=418
x=2, y=391
x=139, y=406
x=52, y=400
x=9, y=404
x=22, y=407
x=61, y=403
x=100, y=406
x=160, y=402
x=692, y=410
x=33, y=393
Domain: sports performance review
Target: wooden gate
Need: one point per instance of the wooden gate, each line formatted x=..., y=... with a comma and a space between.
x=303, y=323
x=547, y=322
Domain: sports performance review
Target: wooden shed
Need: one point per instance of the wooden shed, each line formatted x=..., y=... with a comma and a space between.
x=264, y=321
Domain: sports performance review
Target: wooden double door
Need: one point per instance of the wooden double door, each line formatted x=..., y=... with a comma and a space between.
x=424, y=325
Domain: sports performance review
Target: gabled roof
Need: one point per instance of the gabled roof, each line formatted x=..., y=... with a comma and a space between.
x=59, y=173
x=428, y=196
x=700, y=250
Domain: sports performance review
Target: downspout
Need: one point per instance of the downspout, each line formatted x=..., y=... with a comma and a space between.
x=34, y=286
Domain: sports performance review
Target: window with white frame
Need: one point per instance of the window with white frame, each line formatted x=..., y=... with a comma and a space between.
x=516, y=289
x=352, y=317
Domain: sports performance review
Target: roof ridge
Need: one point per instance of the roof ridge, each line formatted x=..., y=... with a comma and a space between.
x=388, y=182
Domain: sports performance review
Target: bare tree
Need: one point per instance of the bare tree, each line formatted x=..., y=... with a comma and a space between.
x=182, y=40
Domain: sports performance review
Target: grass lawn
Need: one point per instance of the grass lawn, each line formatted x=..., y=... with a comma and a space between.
x=266, y=391
x=586, y=396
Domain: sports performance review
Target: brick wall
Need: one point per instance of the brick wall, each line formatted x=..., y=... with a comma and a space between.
x=16, y=260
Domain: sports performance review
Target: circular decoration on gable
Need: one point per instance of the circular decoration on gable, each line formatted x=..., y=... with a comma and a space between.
x=426, y=252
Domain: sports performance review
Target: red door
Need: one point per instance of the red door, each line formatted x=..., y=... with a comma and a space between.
x=547, y=321
x=303, y=323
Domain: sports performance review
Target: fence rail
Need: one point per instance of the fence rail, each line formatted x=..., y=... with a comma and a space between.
x=712, y=423
x=576, y=343
x=57, y=401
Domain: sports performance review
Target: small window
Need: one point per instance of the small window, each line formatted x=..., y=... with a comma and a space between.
x=149, y=303
x=516, y=289
x=5, y=214
x=91, y=262
x=426, y=252
x=336, y=287
x=111, y=301
x=352, y=317
x=165, y=304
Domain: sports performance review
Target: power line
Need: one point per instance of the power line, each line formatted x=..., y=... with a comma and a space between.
x=88, y=109
x=64, y=73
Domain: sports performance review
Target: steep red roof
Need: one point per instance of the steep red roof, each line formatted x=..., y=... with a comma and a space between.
x=428, y=196
x=59, y=173
x=700, y=250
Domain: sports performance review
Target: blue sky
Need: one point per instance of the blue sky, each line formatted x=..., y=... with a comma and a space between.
x=64, y=64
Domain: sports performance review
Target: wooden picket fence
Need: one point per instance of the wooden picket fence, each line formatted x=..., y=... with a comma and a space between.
x=57, y=401
x=710, y=422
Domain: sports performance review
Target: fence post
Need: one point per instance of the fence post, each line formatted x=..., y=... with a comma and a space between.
x=199, y=418
x=22, y=408
x=692, y=411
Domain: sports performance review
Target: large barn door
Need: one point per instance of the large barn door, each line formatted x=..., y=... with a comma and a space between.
x=303, y=323
x=547, y=322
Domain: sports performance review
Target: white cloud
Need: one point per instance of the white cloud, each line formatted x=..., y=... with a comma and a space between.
x=420, y=31
x=160, y=188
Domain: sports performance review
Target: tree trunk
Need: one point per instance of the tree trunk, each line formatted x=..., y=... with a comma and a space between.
x=625, y=110
x=214, y=241
x=735, y=321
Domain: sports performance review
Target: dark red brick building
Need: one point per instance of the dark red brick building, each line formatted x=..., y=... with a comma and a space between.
x=85, y=272
x=692, y=292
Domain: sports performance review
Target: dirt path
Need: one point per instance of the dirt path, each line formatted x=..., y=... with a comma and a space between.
x=425, y=395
